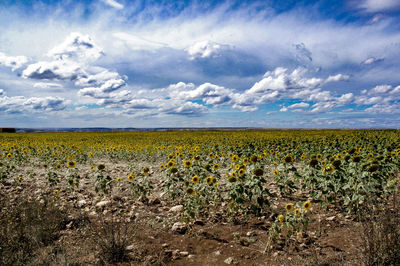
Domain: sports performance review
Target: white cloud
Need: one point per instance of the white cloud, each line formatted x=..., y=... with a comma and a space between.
x=380, y=89
x=378, y=5
x=371, y=60
x=205, y=49
x=14, y=62
x=76, y=46
x=384, y=108
x=113, y=4
x=97, y=79
x=338, y=77
x=21, y=104
x=46, y=85
x=1, y=92
x=101, y=92
x=54, y=70
x=299, y=105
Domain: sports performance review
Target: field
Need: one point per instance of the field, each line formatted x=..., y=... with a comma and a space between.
x=292, y=197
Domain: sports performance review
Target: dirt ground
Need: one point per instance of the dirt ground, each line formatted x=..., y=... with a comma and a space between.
x=332, y=239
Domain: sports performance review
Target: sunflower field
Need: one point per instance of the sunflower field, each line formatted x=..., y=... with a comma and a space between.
x=286, y=178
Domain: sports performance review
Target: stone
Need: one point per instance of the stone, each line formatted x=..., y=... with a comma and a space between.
x=229, y=260
x=177, y=208
x=179, y=228
x=82, y=203
x=103, y=203
x=184, y=253
x=130, y=248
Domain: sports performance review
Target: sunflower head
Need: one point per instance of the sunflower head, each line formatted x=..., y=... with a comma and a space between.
x=241, y=172
x=289, y=207
x=281, y=218
x=131, y=177
x=276, y=172
x=373, y=168
x=187, y=163
x=253, y=158
x=210, y=180
x=232, y=179
x=307, y=205
x=173, y=170
x=195, y=179
x=190, y=191
x=216, y=166
x=297, y=212
x=356, y=159
x=71, y=164
x=336, y=163
x=101, y=167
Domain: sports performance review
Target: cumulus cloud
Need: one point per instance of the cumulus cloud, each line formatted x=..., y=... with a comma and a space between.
x=1, y=92
x=206, y=49
x=76, y=46
x=97, y=79
x=20, y=104
x=281, y=80
x=14, y=62
x=54, y=70
x=338, y=77
x=101, y=92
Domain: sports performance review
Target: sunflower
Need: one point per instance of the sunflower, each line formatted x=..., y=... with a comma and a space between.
x=196, y=157
x=171, y=163
x=303, y=156
x=241, y=172
x=245, y=161
x=146, y=170
x=288, y=159
x=195, y=179
x=319, y=156
x=323, y=163
x=356, y=159
x=373, y=168
x=235, y=158
x=131, y=177
x=216, y=166
x=232, y=179
x=328, y=169
x=307, y=205
x=190, y=191
x=211, y=155
x=210, y=180
x=58, y=166
x=289, y=207
x=313, y=163
x=9, y=155
x=119, y=179
x=91, y=154
x=162, y=166
x=92, y=167
x=173, y=170
x=101, y=167
x=281, y=218
x=258, y=172
x=56, y=192
x=71, y=164
x=187, y=163
x=297, y=212
x=276, y=172
x=337, y=163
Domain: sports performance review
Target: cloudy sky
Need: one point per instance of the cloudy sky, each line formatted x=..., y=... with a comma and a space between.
x=120, y=63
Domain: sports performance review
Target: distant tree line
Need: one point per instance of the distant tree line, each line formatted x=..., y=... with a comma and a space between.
x=7, y=130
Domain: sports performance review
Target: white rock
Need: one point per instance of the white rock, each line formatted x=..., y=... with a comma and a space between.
x=179, y=228
x=229, y=260
x=82, y=203
x=184, y=253
x=177, y=208
x=103, y=203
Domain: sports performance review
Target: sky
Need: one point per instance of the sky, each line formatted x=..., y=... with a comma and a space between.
x=149, y=64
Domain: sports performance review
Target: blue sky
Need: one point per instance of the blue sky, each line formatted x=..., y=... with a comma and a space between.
x=120, y=63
